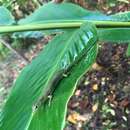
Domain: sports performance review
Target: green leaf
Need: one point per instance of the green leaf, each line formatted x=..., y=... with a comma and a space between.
x=5, y=17
x=128, y=50
x=51, y=114
x=53, y=11
x=66, y=11
x=69, y=11
x=38, y=78
x=120, y=35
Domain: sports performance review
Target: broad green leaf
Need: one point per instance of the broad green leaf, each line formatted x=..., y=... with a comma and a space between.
x=5, y=17
x=67, y=11
x=53, y=11
x=120, y=35
x=128, y=50
x=38, y=78
x=51, y=114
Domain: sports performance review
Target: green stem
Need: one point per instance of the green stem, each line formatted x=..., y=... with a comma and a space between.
x=61, y=24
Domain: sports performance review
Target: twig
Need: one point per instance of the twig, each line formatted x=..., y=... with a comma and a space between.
x=5, y=43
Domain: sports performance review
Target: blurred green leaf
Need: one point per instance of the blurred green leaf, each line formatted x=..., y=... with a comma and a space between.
x=65, y=11
x=5, y=16
x=122, y=16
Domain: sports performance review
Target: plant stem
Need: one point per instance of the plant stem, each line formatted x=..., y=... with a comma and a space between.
x=61, y=24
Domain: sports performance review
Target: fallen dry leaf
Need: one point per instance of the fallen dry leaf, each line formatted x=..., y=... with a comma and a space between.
x=95, y=87
x=75, y=118
x=95, y=107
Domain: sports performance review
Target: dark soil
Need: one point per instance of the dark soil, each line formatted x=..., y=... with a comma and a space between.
x=102, y=101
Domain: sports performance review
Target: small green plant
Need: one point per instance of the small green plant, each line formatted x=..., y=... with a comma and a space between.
x=39, y=97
